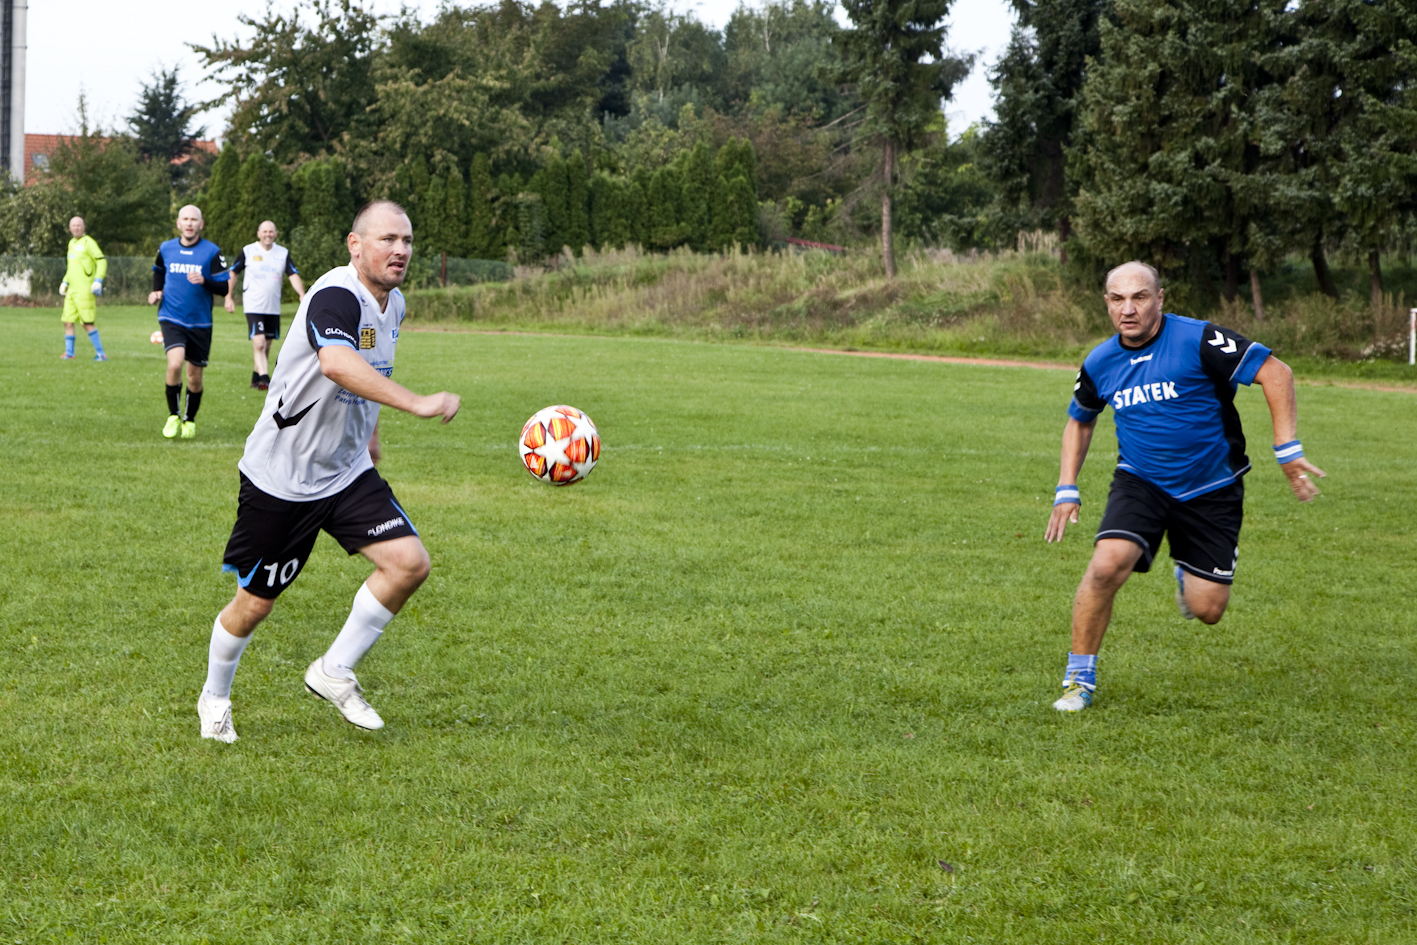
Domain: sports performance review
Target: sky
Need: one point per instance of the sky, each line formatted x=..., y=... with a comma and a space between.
x=105, y=50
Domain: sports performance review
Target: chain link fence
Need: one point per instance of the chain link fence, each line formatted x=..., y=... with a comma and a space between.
x=35, y=279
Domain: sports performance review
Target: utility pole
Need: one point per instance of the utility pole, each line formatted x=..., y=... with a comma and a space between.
x=13, y=16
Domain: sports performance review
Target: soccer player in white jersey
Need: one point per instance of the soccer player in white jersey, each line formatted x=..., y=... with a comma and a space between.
x=265, y=265
x=309, y=465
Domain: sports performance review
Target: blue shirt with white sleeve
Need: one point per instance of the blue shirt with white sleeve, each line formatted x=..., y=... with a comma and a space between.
x=1173, y=400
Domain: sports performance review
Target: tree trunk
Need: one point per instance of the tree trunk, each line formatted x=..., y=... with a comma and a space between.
x=1232, y=276
x=888, y=175
x=1375, y=278
x=1321, y=270
x=1065, y=231
x=1256, y=295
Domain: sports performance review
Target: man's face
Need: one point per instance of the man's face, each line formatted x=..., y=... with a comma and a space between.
x=189, y=224
x=1134, y=304
x=76, y=227
x=382, y=251
x=266, y=233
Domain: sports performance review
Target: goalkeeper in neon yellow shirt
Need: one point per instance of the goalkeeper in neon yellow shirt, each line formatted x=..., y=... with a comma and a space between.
x=83, y=283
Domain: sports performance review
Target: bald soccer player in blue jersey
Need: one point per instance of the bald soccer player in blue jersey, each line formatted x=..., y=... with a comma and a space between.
x=1171, y=383
x=188, y=274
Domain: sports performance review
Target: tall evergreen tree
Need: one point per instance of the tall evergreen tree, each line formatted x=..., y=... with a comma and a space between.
x=163, y=122
x=221, y=198
x=696, y=200
x=455, y=213
x=325, y=209
x=262, y=194
x=577, y=202
x=432, y=232
x=480, y=223
x=1036, y=84
x=895, y=55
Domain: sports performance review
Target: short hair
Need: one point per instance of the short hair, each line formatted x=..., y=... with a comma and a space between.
x=369, y=208
x=1155, y=276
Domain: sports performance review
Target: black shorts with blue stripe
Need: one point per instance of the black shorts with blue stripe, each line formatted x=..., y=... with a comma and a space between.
x=1203, y=532
x=272, y=537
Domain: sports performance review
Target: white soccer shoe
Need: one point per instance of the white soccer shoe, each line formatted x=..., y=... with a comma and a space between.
x=1076, y=697
x=216, y=719
x=344, y=693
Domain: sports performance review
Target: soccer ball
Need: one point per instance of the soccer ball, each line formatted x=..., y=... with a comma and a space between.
x=155, y=337
x=559, y=445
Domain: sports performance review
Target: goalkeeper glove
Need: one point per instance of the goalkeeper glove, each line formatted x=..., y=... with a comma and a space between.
x=98, y=287
x=63, y=288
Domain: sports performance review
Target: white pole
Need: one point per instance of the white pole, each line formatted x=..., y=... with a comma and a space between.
x=1412, y=336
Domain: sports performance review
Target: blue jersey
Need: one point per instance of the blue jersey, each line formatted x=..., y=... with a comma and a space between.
x=184, y=302
x=1173, y=400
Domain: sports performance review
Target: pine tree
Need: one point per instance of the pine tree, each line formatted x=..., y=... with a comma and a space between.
x=696, y=202
x=577, y=203
x=608, y=224
x=479, y=209
x=455, y=214
x=432, y=231
x=895, y=55
x=1037, y=83
x=418, y=182
x=663, y=230
x=321, y=195
x=636, y=199
x=262, y=194
x=550, y=185
x=219, y=200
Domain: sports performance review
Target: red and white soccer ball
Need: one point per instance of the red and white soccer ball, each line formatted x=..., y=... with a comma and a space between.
x=559, y=445
x=155, y=337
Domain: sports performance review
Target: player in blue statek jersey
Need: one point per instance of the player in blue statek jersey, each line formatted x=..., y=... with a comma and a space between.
x=1171, y=384
x=187, y=276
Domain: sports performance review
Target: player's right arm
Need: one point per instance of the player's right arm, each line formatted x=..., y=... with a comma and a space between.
x=1077, y=437
x=333, y=325
x=159, y=279
x=236, y=267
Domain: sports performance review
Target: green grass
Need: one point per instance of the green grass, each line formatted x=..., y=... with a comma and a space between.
x=788, y=648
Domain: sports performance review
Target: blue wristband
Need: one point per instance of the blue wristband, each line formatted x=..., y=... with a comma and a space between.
x=1067, y=494
x=1288, y=452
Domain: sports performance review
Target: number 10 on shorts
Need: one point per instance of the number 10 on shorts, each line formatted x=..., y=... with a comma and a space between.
x=286, y=573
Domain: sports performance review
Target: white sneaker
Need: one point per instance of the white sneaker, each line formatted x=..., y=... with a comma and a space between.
x=216, y=719
x=1076, y=697
x=344, y=693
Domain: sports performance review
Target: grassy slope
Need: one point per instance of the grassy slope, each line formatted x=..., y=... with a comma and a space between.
x=790, y=647
x=1010, y=306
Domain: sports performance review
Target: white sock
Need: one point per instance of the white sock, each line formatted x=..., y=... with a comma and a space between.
x=222, y=657
x=367, y=619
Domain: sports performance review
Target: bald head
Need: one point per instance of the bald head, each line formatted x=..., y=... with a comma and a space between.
x=76, y=226
x=189, y=224
x=375, y=210
x=1136, y=269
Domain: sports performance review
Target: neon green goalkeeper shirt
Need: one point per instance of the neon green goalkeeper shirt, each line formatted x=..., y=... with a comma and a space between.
x=86, y=263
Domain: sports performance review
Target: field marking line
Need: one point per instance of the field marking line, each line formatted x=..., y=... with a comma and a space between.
x=900, y=356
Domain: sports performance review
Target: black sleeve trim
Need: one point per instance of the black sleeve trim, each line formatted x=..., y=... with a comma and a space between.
x=215, y=287
x=1085, y=391
x=159, y=273
x=290, y=269
x=1221, y=352
x=240, y=263
x=333, y=318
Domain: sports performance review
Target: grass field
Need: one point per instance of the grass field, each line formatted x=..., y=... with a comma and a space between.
x=778, y=671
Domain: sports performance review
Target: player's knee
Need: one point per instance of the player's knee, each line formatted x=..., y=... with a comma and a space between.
x=410, y=566
x=1209, y=612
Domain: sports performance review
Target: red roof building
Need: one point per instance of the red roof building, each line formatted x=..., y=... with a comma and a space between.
x=39, y=147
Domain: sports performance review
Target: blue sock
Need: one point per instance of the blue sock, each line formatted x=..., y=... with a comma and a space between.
x=69, y=346
x=1082, y=668
x=97, y=347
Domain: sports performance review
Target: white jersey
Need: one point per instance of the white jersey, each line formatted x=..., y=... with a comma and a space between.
x=312, y=439
x=263, y=273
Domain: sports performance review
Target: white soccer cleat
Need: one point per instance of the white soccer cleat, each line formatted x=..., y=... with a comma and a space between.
x=1181, y=604
x=216, y=719
x=1076, y=697
x=344, y=693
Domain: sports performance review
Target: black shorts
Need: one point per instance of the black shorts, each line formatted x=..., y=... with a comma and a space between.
x=268, y=325
x=272, y=537
x=197, y=341
x=1204, y=532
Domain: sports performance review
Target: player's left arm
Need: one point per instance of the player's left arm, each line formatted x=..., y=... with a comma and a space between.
x=100, y=261
x=218, y=283
x=1278, y=382
x=298, y=286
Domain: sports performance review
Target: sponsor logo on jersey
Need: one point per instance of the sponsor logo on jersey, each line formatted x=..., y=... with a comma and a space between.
x=1145, y=357
x=1226, y=345
x=1144, y=394
x=367, y=338
x=283, y=422
x=385, y=526
x=181, y=268
x=337, y=333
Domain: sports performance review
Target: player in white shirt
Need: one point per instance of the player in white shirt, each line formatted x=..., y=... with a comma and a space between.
x=265, y=265
x=309, y=465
